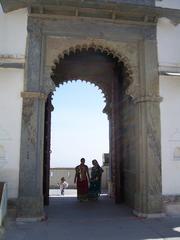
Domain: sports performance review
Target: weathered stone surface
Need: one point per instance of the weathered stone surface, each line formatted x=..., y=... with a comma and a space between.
x=133, y=102
x=33, y=63
x=30, y=207
x=30, y=202
x=137, y=11
x=57, y=49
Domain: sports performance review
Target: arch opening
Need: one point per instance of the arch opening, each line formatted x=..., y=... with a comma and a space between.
x=110, y=74
x=79, y=129
x=98, y=64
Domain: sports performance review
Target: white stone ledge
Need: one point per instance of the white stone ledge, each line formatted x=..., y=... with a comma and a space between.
x=12, y=57
x=12, y=61
x=169, y=67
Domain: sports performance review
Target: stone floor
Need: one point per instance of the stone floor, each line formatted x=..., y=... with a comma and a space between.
x=68, y=219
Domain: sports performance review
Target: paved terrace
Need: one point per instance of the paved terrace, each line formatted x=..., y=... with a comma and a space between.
x=68, y=219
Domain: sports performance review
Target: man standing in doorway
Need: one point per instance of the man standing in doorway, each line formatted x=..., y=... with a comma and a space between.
x=81, y=179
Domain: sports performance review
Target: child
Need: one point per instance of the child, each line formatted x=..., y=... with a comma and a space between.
x=63, y=184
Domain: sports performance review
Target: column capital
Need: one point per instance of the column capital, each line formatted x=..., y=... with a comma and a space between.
x=38, y=95
x=147, y=98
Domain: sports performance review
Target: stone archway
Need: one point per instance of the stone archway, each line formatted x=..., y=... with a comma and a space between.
x=139, y=100
x=111, y=76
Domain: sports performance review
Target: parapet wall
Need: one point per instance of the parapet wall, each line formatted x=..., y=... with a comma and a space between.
x=68, y=173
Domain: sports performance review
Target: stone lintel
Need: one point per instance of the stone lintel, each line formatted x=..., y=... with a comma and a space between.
x=148, y=99
x=38, y=95
x=107, y=10
x=11, y=5
x=114, y=12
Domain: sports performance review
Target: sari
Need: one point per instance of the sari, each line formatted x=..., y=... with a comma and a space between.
x=82, y=182
x=95, y=182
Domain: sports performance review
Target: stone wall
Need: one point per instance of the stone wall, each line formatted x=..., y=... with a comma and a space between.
x=11, y=84
x=170, y=134
x=107, y=35
x=13, y=33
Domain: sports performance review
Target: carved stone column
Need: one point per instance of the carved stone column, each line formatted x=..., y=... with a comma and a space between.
x=148, y=179
x=148, y=196
x=33, y=56
x=30, y=201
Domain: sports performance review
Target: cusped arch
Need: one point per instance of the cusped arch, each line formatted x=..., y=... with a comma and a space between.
x=98, y=86
x=114, y=52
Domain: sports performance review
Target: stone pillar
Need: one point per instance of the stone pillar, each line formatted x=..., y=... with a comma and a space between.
x=116, y=140
x=108, y=111
x=110, y=182
x=30, y=202
x=30, y=199
x=148, y=196
x=148, y=179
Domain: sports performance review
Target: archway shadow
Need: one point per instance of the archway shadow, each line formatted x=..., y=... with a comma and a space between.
x=70, y=207
x=69, y=219
x=103, y=219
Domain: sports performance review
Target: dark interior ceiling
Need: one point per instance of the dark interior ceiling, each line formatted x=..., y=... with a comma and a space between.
x=91, y=66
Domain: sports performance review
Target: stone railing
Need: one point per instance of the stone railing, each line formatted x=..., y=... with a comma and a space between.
x=3, y=201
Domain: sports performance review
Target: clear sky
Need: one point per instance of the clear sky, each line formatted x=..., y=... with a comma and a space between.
x=79, y=128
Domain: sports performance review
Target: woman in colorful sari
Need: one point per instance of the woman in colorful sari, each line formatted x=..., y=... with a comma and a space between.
x=81, y=179
x=95, y=181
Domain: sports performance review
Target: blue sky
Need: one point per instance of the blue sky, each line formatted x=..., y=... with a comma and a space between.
x=79, y=128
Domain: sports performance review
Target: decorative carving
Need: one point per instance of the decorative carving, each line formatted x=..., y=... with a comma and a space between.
x=101, y=46
x=133, y=88
x=48, y=84
x=27, y=117
x=30, y=95
x=33, y=55
x=108, y=110
x=34, y=27
x=149, y=32
x=147, y=99
x=109, y=48
x=28, y=113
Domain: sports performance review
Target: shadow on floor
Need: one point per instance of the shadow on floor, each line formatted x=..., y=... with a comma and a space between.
x=69, y=219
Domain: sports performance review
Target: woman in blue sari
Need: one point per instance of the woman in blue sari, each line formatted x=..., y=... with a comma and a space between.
x=95, y=181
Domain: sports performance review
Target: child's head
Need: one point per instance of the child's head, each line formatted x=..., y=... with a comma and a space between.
x=62, y=179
